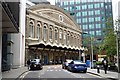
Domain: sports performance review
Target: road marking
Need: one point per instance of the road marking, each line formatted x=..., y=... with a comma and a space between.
x=22, y=77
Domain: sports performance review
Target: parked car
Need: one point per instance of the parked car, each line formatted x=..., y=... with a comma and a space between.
x=65, y=64
x=77, y=66
x=35, y=64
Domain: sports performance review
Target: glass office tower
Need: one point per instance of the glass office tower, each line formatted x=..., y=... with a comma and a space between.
x=89, y=14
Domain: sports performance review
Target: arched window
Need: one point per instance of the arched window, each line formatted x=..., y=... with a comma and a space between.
x=68, y=38
x=50, y=33
x=64, y=37
x=72, y=39
x=45, y=32
x=31, y=29
x=56, y=34
x=38, y=30
x=60, y=35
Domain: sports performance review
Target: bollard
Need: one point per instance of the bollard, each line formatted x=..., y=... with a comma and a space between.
x=98, y=69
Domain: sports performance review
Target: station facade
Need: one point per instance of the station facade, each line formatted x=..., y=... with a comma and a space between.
x=52, y=35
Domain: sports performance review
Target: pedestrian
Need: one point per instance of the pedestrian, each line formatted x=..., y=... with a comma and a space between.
x=28, y=63
x=105, y=65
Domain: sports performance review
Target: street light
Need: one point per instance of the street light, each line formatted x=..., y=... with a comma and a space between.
x=91, y=45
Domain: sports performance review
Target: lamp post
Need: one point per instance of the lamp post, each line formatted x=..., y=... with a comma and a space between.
x=91, y=45
x=91, y=53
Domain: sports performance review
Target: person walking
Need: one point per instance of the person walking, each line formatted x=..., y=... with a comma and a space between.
x=28, y=63
x=105, y=65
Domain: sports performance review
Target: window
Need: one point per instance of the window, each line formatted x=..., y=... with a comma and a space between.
x=90, y=13
x=64, y=37
x=97, y=18
x=98, y=33
x=84, y=20
x=91, y=26
x=68, y=39
x=38, y=30
x=84, y=13
x=50, y=32
x=102, y=4
x=78, y=14
x=66, y=3
x=78, y=7
x=97, y=5
x=45, y=32
x=90, y=6
x=98, y=26
x=84, y=6
x=92, y=33
x=31, y=29
x=97, y=12
x=60, y=35
x=56, y=34
x=78, y=20
x=71, y=2
x=85, y=27
x=91, y=19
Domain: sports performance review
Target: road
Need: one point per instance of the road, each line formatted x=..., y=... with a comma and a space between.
x=57, y=73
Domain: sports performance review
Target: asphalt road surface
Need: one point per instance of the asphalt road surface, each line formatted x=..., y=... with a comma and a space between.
x=57, y=73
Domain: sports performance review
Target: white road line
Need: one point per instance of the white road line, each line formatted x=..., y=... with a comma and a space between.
x=21, y=77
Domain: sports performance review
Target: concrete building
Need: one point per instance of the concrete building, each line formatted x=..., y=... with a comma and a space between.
x=116, y=17
x=12, y=34
x=52, y=35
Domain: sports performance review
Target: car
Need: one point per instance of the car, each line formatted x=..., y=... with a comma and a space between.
x=65, y=64
x=77, y=66
x=35, y=64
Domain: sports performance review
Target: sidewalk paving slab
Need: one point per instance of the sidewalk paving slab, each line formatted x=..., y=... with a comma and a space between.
x=110, y=74
x=14, y=73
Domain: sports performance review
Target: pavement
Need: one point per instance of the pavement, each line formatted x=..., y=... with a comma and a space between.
x=110, y=74
x=16, y=73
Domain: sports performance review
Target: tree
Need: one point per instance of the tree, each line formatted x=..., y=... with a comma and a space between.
x=109, y=42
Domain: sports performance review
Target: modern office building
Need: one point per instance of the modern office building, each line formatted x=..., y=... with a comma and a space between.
x=90, y=15
x=51, y=34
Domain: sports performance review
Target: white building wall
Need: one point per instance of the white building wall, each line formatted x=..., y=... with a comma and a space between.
x=19, y=39
x=116, y=9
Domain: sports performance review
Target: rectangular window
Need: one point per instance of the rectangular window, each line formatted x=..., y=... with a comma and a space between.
x=85, y=27
x=84, y=6
x=84, y=13
x=78, y=20
x=90, y=6
x=98, y=33
x=97, y=5
x=90, y=13
x=102, y=4
x=92, y=33
x=98, y=26
x=84, y=20
x=91, y=19
x=97, y=12
x=97, y=18
x=78, y=14
x=91, y=26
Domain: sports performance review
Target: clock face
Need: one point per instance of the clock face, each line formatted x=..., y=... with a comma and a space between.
x=61, y=18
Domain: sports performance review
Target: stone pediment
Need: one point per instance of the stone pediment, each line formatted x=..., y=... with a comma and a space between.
x=55, y=13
